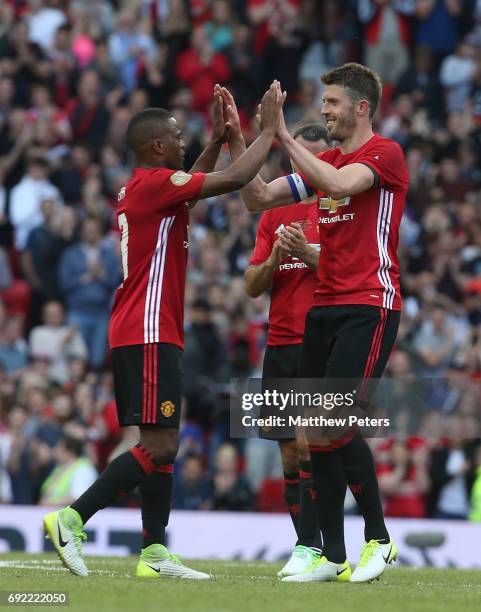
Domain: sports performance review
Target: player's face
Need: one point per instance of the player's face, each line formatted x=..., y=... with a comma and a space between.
x=174, y=146
x=338, y=111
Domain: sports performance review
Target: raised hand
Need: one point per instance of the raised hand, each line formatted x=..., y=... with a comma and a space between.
x=270, y=107
x=282, y=127
x=231, y=115
x=219, y=127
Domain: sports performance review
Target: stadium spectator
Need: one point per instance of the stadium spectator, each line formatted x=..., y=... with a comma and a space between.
x=84, y=34
x=438, y=25
x=7, y=92
x=56, y=342
x=456, y=75
x=191, y=489
x=43, y=109
x=451, y=472
x=219, y=28
x=267, y=16
x=24, y=62
x=202, y=359
x=88, y=114
x=434, y=345
x=72, y=475
x=26, y=200
x=387, y=36
x=44, y=19
x=89, y=273
x=421, y=82
x=19, y=485
x=41, y=256
x=156, y=76
x=230, y=490
x=128, y=47
x=200, y=68
x=327, y=34
x=13, y=348
x=306, y=110
x=245, y=69
x=7, y=16
x=404, y=479
x=98, y=12
x=475, y=500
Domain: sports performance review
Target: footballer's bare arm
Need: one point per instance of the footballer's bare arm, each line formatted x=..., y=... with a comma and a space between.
x=259, y=278
x=338, y=183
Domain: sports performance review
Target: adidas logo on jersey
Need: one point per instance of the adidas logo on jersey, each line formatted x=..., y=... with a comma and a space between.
x=280, y=229
x=121, y=194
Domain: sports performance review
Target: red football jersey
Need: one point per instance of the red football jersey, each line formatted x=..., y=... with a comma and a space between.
x=153, y=219
x=359, y=234
x=294, y=282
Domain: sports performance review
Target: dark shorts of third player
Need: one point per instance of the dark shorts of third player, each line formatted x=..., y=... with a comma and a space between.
x=280, y=362
x=148, y=384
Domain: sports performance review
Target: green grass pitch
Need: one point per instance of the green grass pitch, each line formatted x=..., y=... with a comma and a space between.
x=238, y=586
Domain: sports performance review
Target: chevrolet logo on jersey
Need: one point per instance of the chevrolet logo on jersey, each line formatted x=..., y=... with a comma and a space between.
x=331, y=204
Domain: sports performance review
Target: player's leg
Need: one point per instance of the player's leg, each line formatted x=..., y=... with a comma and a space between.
x=136, y=381
x=307, y=549
x=372, y=331
x=159, y=435
x=65, y=527
x=156, y=490
x=280, y=362
x=290, y=468
x=308, y=524
x=327, y=469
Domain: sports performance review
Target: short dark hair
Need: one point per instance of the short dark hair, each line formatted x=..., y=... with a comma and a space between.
x=361, y=83
x=313, y=132
x=144, y=124
x=74, y=445
x=202, y=304
x=38, y=162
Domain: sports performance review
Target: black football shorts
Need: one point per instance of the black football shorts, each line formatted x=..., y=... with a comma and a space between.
x=279, y=362
x=347, y=341
x=148, y=384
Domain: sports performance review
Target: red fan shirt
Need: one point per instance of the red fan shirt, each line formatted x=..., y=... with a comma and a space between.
x=359, y=234
x=294, y=282
x=153, y=219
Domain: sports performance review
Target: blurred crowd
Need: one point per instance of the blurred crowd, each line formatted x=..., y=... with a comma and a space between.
x=72, y=72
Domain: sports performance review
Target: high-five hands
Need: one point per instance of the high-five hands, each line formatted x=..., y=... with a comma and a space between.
x=220, y=126
x=231, y=116
x=270, y=108
x=269, y=115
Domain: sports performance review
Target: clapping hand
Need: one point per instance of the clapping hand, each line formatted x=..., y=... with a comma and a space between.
x=293, y=240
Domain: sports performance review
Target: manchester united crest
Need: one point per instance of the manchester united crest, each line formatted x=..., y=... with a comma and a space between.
x=167, y=408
